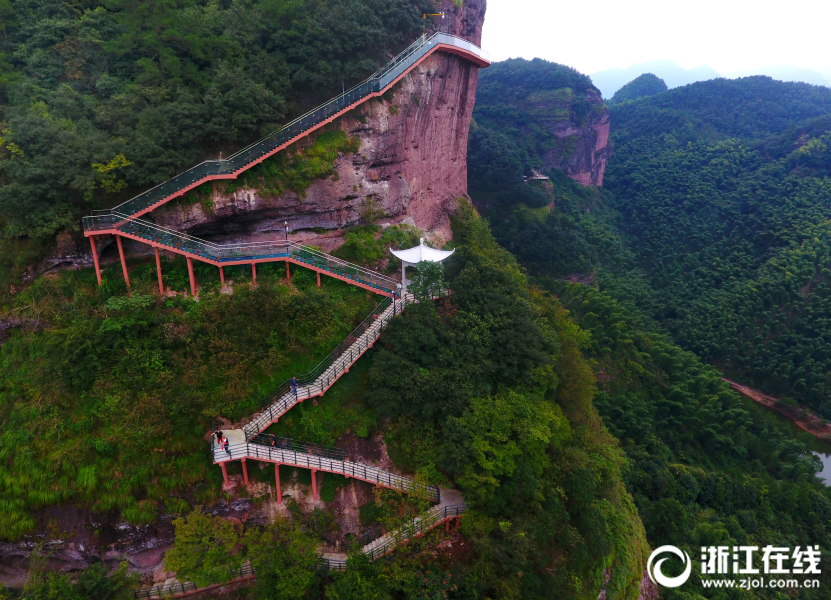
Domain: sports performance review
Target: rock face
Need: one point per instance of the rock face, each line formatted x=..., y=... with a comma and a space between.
x=589, y=143
x=412, y=160
x=553, y=113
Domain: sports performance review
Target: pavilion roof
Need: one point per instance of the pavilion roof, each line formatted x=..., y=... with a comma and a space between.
x=421, y=253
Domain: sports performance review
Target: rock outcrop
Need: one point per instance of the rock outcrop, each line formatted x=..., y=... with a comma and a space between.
x=412, y=161
x=587, y=141
x=553, y=113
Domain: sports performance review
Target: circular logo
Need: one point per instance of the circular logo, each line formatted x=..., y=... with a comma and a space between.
x=655, y=574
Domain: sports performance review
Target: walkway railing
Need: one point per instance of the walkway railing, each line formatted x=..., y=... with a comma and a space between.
x=273, y=441
x=329, y=370
x=420, y=524
x=238, y=253
x=321, y=463
x=230, y=167
x=176, y=588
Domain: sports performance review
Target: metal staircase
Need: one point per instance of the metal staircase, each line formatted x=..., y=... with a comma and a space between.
x=294, y=458
x=231, y=167
x=329, y=370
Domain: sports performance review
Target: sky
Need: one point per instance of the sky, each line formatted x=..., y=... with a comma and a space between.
x=728, y=35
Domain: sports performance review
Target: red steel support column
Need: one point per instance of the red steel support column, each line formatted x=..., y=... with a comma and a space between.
x=245, y=472
x=159, y=270
x=254, y=273
x=458, y=522
x=123, y=262
x=95, y=259
x=447, y=526
x=277, y=481
x=288, y=273
x=314, y=484
x=225, y=475
x=318, y=279
x=221, y=275
x=192, y=282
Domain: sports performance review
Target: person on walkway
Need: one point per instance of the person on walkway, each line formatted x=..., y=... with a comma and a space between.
x=225, y=444
x=293, y=384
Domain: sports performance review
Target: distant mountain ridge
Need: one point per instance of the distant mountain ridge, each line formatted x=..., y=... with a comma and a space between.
x=609, y=81
x=785, y=73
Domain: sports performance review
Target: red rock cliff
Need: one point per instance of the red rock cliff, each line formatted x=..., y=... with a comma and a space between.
x=589, y=141
x=412, y=159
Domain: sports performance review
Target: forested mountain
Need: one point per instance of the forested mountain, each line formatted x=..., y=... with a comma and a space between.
x=711, y=234
x=552, y=114
x=568, y=387
x=727, y=217
x=640, y=87
x=487, y=391
x=107, y=392
x=100, y=99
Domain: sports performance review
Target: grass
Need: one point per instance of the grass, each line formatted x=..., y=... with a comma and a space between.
x=287, y=171
x=341, y=409
x=363, y=244
x=109, y=404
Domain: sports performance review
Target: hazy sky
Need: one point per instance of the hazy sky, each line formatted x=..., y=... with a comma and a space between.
x=728, y=35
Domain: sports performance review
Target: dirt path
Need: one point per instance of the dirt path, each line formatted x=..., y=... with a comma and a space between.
x=805, y=419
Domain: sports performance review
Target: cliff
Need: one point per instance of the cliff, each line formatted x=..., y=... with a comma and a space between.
x=581, y=149
x=411, y=161
x=554, y=114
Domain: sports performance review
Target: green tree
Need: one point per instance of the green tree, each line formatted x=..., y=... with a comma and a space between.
x=95, y=583
x=205, y=549
x=363, y=579
x=640, y=87
x=51, y=586
x=428, y=282
x=285, y=560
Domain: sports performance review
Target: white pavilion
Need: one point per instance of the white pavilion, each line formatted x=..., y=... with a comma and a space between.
x=412, y=256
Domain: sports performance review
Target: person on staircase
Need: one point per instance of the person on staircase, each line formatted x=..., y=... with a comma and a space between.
x=222, y=440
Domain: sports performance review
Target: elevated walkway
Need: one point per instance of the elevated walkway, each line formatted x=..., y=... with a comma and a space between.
x=221, y=255
x=249, y=443
x=316, y=462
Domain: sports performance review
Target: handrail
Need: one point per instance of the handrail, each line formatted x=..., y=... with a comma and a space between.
x=312, y=461
x=328, y=370
x=170, y=590
x=273, y=441
x=219, y=253
x=417, y=526
x=228, y=168
x=368, y=537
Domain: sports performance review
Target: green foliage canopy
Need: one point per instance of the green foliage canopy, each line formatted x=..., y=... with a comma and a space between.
x=640, y=87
